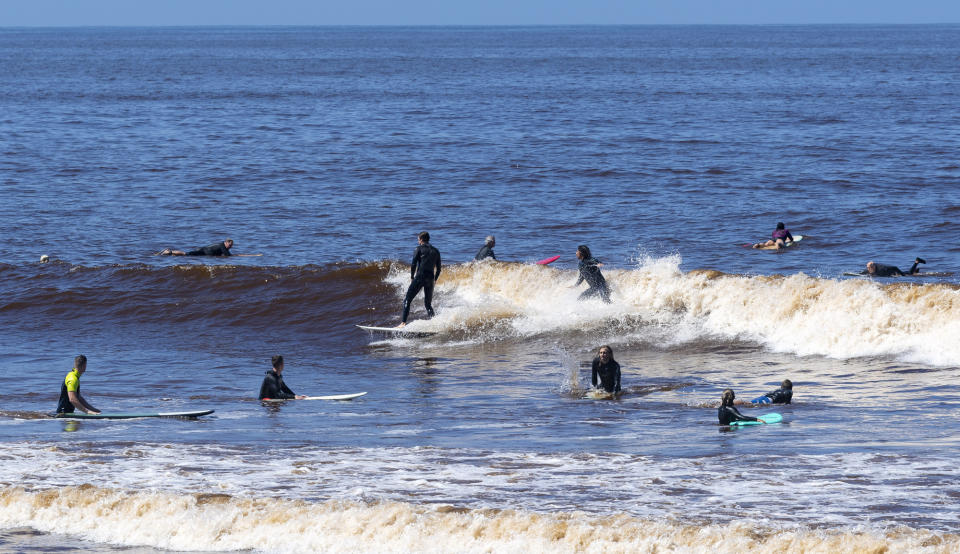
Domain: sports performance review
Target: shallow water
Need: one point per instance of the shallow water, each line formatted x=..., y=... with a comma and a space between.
x=663, y=148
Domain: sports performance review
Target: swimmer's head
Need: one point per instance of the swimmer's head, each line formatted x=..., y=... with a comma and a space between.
x=228, y=243
x=871, y=267
x=786, y=384
x=727, y=398
x=583, y=252
x=44, y=259
x=423, y=237
x=490, y=240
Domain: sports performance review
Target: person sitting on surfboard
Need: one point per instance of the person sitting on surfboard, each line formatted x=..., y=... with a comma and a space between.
x=424, y=271
x=783, y=395
x=487, y=250
x=273, y=387
x=607, y=369
x=781, y=236
x=70, y=397
x=589, y=268
x=727, y=413
x=880, y=270
x=219, y=249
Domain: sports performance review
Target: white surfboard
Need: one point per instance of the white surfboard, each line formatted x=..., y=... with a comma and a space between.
x=134, y=415
x=328, y=397
x=397, y=331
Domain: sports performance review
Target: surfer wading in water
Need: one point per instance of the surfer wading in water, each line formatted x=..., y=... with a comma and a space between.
x=424, y=272
x=727, y=413
x=487, y=250
x=273, y=387
x=607, y=370
x=219, y=249
x=589, y=268
x=70, y=397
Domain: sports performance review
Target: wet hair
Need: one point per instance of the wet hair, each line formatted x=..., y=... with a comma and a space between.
x=228, y=240
x=277, y=361
x=490, y=239
x=584, y=251
x=727, y=398
x=424, y=236
x=79, y=361
x=608, y=348
x=780, y=225
x=786, y=384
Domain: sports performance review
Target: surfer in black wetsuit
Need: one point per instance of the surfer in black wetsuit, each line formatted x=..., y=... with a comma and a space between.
x=880, y=270
x=589, y=268
x=219, y=249
x=607, y=369
x=424, y=271
x=727, y=413
x=273, y=387
x=783, y=395
x=487, y=250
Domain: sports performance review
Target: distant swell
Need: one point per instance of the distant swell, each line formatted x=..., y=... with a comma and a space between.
x=220, y=522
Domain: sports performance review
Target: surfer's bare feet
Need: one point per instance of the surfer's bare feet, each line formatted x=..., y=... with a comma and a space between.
x=402, y=324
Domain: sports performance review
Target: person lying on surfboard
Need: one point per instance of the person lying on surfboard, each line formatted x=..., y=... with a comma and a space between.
x=607, y=369
x=589, y=268
x=783, y=395
x=273, y=387
x=880, y=270
x=487, y=250
x=219, y=249
x=780, y=237
x=70, y=397
x=727, y=413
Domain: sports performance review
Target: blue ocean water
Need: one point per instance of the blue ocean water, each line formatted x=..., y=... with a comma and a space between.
x=666, y=149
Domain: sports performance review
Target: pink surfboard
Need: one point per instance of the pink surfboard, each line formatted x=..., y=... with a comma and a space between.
x=545, y=261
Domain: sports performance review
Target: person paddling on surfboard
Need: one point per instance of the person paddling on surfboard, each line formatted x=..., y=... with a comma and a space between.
x=727, y=413
x=487, y=250
x=424, y=271
x=780, y=237
x=273, y=387
x=880, y=270
x=589, y=268
x=607, y=369
x=70, y=397
x=783, y=395
x=219, y=249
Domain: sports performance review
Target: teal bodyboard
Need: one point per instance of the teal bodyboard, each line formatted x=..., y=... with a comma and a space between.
x=767, y=418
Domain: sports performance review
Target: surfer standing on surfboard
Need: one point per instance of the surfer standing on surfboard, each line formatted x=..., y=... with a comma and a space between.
x=780, y=237
x=219, y=249
x=589, y=268
x=273, y=387
x=487, y=250
x=424, y=271
x=70, y=397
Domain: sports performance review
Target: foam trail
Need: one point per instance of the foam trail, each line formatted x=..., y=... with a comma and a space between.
x=218, y=522
x=657, y=303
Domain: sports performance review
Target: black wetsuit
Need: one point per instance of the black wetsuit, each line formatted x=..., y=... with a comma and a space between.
x=485, y=252
x=780, y=396
x=882, y=270
x=590, y=272
x=729, y=414
x=424, y=271
x=609, y=374
x=212, y=250
x=65, y=406
x=274, y=387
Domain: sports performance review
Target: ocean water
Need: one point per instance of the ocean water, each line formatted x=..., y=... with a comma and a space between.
x=665, y=149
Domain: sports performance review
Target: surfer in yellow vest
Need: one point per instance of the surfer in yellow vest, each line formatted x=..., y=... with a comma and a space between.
x=779, y=238
x=424, y=271
x=219, y=249
x=70, y=397
x=273, y=387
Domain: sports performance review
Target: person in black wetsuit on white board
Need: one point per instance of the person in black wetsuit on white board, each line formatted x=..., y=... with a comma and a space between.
x=589, y=268
x=219, y=249
x=880, y=270
x=273, y=387
x=487, y=250
x=424, y=272
x=727, y=413
x=606, y=370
